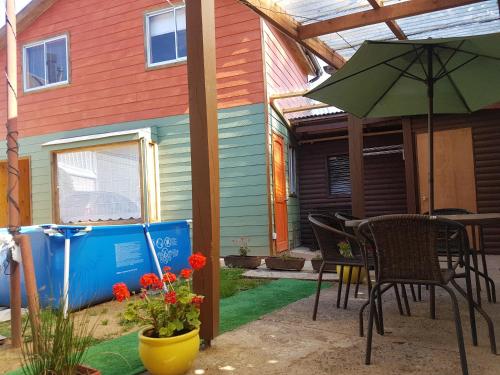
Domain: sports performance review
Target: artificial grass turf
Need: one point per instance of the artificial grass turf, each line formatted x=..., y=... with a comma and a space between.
x=120, y=357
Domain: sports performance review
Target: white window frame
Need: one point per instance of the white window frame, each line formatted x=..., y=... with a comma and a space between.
x=148, y=38
x=292, y=171
x=44, y=43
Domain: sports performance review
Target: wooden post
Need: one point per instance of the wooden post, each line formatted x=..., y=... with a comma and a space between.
x=409, y=154
x=356, y=165
x=200, y=22
x=13, y=168
x=31, y=289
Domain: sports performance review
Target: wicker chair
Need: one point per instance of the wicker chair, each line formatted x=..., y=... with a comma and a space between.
x=450, y=250
x=406, y=253
x=328, y=232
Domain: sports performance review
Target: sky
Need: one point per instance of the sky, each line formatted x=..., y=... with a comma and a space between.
x=20, y=4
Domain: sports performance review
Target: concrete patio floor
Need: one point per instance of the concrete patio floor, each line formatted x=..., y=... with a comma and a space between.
x=289, y=342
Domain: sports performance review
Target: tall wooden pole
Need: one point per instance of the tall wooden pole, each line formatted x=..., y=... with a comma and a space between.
x=13, y=168
x=200, y=25
x=356, y=165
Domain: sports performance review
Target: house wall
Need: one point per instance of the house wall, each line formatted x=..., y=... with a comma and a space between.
x=243, y=179
x=277, y=126
x=109, y=81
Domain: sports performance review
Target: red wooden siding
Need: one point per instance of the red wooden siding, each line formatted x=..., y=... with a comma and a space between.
x=109, y=81
x=283, y=73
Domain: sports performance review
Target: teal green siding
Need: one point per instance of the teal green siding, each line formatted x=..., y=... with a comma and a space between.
x=243, y=180
x=278, y=126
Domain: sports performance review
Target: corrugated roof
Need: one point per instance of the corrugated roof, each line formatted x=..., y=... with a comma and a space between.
x=474, y=19
x=313, y=113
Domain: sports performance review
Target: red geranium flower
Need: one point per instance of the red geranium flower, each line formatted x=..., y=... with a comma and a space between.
x=171, y=297
x=186, y=273
x=151, y=280
x=197, y=261
x=197, y=300
x=166, y=268
x=169, y=277
x=121, y=292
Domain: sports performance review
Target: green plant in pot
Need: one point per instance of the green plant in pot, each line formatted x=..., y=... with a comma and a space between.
x=285, y=262
x=242, y=260
x=317, y=261
x=170, y=312
x=346, y=251
x=61, y=346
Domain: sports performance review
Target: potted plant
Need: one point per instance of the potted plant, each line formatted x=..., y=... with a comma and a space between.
x=345, y=250
x=170, y=312
x=243, y=260
x=285, y=262
x=316, y=264
x=62, y=342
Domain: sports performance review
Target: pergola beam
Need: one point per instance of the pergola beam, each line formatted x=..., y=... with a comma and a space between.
x=374, y=16
x=393, y=25
x=285, y=23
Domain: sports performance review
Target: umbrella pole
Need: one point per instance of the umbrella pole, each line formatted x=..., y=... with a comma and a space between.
x=430, y=126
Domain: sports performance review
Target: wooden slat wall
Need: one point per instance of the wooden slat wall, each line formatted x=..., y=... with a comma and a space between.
x=385, y=186
x=313, y=183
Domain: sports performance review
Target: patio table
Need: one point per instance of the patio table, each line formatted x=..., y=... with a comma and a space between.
x=473, y=220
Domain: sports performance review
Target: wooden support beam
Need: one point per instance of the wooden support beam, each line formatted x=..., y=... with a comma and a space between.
x=285, y=23
x=410, y=171
x=200, y=21
x=305, y=108
x=356, y=165
x=382, y=14
x=391, y=24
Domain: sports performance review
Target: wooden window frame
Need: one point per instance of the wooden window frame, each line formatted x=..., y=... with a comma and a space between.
x=55, y=189
x=292, y=171
x=25, y=68
x=147, y=19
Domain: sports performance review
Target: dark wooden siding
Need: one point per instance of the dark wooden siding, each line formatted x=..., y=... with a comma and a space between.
x=486, y=138
x=385, y=189
x=313, y=183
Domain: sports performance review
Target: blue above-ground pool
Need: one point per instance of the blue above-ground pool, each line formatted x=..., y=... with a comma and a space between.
x=100, y=258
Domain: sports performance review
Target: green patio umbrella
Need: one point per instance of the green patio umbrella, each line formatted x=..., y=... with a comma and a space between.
x=414, y=77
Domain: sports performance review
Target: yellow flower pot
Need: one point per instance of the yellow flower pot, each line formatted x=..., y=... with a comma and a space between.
x=169, y=355
x=354, y=277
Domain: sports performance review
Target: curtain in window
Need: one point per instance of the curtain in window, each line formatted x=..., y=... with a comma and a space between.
x=162, y=34
x=100, y=185
x=56, y=61
x=35, y=76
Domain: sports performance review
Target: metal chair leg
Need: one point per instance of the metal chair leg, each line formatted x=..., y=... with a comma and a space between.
x=490, y=288
x=318, y=290
x=358, y=281
x=419, y=292
x=458, y=328
x=339, y=292
x=398, y=299
x=413, y=295
x=405, y=299
x=432, y=301
x=476, y=275
x=348, y=286
x=369, y=336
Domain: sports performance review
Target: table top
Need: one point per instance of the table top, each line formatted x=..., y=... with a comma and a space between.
x=467, y=219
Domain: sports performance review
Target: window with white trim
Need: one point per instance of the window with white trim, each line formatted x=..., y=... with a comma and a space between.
x=101, y=183
x=45, y=63
x=166, y=36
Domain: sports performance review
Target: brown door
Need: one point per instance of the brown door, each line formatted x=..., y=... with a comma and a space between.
x=24, y=193
x=454, y=178
x=280, y=201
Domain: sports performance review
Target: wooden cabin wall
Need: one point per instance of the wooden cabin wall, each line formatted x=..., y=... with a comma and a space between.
x=385, y=188
x=486, y=143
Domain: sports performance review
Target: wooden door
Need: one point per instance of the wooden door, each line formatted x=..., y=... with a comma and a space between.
x=24, y=193
x=280, y=201
x=454, y=177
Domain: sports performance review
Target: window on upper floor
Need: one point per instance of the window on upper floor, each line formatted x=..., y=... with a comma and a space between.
x=45, y=63
x=166, y=36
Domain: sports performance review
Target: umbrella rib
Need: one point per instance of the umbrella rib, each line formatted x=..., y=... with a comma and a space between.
x=469, y=52
x=456, y=68
x=393, y=83
x=406, y=74
x=361, y=71
x=446, y=74
x=422, y=64
x=449, y=59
